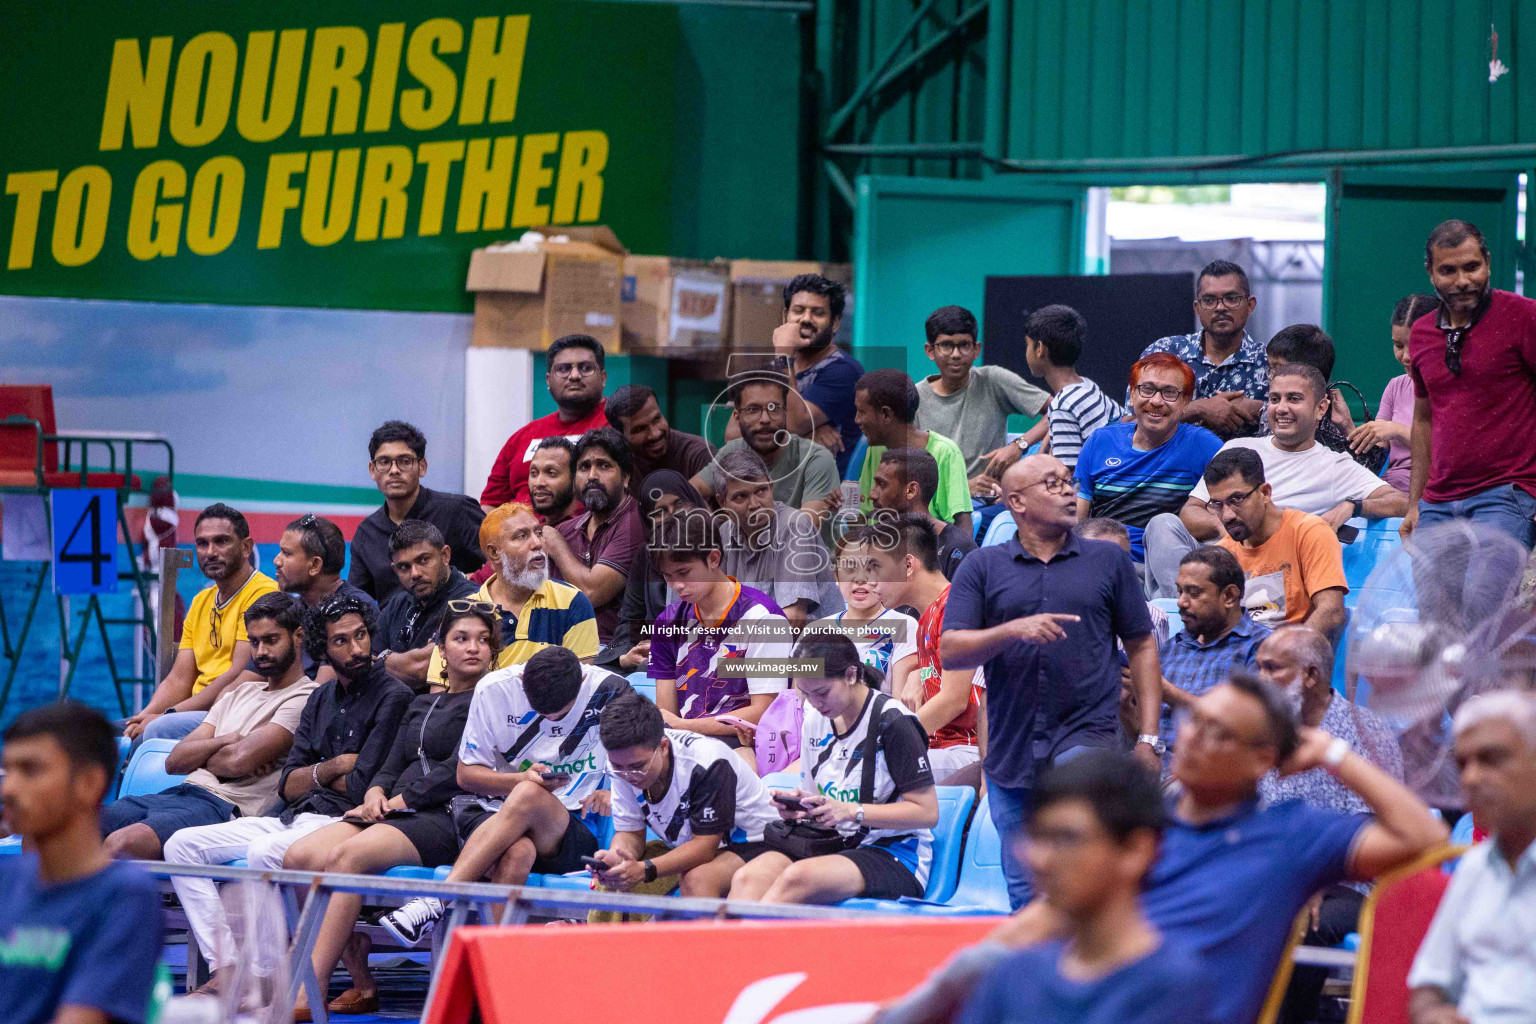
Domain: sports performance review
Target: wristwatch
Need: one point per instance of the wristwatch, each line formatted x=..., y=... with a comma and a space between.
x=650, y=871
x=858, y=815
x=1154, y=741
x=1357, y=505
x=1336, y=752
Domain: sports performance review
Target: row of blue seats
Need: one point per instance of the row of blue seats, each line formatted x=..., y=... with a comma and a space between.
x=966, y=876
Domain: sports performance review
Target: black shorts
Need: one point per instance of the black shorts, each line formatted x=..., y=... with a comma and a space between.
x=747, y=851
x=578, y=841
x=431, y=833
x=885, y=877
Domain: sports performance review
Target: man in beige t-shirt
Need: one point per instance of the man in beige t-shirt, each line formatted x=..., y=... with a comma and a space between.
x=231, y=759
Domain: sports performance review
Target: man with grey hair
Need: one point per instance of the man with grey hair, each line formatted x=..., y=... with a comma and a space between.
x=771, y=546
x=1299, y=660
x=1477, y=963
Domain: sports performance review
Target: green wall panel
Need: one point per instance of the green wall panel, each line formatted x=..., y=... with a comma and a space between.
x=924, y=243
x=1249, y=77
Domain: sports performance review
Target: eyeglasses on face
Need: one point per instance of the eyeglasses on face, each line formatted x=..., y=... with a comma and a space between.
x=1234, y=503
x=585, y=369
x=633, y=771
x=1206, y=729
x=1231, y=300
x=1057, y=484
x=406, y=463
x=949, y=348
x=757, y=412
x=1170, y=394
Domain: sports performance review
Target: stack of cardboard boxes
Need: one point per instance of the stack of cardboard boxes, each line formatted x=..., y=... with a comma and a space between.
x=582, y=281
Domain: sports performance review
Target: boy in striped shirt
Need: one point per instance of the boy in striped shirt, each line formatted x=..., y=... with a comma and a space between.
x=1052, y=344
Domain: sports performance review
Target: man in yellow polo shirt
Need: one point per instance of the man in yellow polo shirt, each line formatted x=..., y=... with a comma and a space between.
x=536, y=611
x=214, y=650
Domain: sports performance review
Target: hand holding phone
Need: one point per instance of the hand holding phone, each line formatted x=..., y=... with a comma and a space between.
x=594, y=865
x=789, y=801
x=396, y=813
x=737, y=723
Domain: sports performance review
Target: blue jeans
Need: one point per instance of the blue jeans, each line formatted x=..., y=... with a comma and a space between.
x=1010, y=807
x=1505, y=507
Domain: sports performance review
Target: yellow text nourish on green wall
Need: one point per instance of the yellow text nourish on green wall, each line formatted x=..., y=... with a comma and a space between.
x=228, y=153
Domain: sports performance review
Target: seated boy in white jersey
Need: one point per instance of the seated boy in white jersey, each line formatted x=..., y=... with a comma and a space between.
x=707, y=808
x=531, y=750
x=716, y=621
x=859, y=823
x=885, y=637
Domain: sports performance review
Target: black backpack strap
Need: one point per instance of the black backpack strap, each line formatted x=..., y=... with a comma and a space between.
x=877, y=705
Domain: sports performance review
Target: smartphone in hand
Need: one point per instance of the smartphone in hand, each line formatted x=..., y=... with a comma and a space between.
x=594, y=865
x=737, y=723
x=791, y=802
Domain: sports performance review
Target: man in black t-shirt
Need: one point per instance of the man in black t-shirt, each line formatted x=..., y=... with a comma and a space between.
x=397, y=460
x=408, y=622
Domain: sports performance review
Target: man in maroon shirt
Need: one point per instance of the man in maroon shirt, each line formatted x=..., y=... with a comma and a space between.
x=575, y=379
x=1473, y=363
x=594, y=551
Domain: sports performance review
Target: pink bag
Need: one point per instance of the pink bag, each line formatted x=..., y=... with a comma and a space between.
x=778, y=733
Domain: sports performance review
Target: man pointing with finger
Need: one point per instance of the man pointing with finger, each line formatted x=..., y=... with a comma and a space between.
x=1041, y=614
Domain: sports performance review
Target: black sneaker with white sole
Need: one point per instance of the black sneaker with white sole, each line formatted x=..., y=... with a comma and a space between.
x=413, y=920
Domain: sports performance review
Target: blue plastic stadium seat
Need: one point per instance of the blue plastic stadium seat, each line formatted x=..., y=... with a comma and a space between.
x=955, y=806
x=1376, y=542
x=146, y=773
x=576, y=880
x=407, y=871
x=982, y=886
x=643, y=685
x=1002, y=530
x=10, y=846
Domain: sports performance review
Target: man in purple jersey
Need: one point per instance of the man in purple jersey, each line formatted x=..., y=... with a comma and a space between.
x=718, y=621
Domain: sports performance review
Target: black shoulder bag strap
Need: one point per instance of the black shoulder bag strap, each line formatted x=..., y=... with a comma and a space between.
x=877, y=702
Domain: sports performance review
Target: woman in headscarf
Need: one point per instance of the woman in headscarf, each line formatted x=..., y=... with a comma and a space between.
x=662, y=493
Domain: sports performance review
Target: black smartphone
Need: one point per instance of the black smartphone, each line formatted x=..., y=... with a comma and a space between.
x=1347, y=534
x=558, y=779
x=793, y=803
x=396, y=813
x=594, y=864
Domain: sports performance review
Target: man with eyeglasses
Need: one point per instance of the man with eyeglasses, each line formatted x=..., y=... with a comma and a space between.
x=1291, y=560
x=706, y=808
x=1233, y=871
x=214, y=647
x=970, y=404
x=804, y=474
x=1231, y=371
x=576, y=378
x=397, y=454
x=1473, y=364
x=1135, y=471
x=1041, y=613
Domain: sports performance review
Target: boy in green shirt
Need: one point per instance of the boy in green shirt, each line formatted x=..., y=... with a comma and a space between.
x=885, y=407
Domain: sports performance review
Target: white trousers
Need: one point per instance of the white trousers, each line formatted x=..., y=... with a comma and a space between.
x=262, y=842
x=944, y=761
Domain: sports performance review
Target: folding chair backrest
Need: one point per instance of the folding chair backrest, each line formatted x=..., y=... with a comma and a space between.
x=1393, y=922
x=18, y=444
x=955, y=803
x=981, y=866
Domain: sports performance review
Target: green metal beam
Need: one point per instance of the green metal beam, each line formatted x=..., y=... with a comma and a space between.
x=907, y=149
x=836, y=122
x=1317, y=158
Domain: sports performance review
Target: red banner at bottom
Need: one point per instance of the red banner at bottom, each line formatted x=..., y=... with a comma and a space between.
x=731, y=972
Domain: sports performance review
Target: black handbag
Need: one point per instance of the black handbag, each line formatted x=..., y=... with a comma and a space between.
x=798, y=840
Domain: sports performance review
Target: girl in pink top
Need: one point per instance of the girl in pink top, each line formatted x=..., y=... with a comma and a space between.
x=1394, y=418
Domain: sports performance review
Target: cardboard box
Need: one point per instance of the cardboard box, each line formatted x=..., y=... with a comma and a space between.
x=528, y=297
x=757, y=298
x=676, y=307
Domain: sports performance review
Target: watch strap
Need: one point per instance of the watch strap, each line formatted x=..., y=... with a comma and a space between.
x=1336, y=752
x=650, y=871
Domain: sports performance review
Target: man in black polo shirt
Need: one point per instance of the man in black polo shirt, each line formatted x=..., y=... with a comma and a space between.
x=428, y=581
x=397, y=454
x=1041, y=613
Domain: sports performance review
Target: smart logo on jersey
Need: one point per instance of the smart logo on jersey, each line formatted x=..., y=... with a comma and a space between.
x=576, y=767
